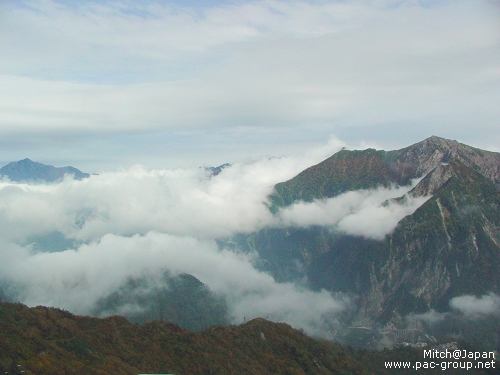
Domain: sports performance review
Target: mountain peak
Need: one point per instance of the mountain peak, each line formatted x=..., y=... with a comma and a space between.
x=422, y=157
x=366, y=169
x=26, y=170
x=439, y=142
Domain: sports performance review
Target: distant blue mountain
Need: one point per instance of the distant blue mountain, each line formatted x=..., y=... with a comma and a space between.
x=27, y=170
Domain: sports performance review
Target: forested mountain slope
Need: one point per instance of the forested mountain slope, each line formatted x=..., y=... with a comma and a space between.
x=44, y=340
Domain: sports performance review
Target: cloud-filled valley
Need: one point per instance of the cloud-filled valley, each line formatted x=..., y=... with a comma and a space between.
x=136, y=222
x=207, y=130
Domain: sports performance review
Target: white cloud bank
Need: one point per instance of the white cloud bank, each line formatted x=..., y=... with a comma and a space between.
x=474, y=307
x=137, y=222
x=75, y=279
x=186, y=202
x=367, y=213
x=430, y=317
x=468, y=306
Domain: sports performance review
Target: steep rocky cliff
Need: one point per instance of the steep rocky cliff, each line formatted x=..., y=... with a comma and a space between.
x=448, y=247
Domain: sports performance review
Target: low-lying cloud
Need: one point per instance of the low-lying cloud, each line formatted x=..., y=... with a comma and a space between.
x=76, y=279
x=474, y=307
x=186, y=202
x=466, y=306
x=430, y=317
x=367, y=213
x=136, y=222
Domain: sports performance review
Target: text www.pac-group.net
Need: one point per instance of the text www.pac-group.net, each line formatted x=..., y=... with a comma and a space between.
x=448, y=359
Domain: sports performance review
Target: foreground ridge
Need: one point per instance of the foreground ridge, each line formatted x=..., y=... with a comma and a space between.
x=45, y=340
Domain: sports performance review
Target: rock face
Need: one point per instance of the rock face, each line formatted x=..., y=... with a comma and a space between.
x=29, y=171
x=420, y=158
x=448, y=247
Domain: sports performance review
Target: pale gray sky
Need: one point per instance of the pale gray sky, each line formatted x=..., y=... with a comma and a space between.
x=106, y=84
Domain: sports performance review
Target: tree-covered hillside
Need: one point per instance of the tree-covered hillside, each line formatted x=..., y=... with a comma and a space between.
x=44, y=340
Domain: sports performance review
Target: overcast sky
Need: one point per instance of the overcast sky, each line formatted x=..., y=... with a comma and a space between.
x=102, y=85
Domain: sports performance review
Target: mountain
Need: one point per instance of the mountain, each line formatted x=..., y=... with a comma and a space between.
x=46, y=340
x=447, y=248
x=183, y=300
x=43, y=340
x=365, y=169
x=433, y=273
x=26, y=170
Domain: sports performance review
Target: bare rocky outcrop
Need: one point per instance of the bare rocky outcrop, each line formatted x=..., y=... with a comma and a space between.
x=419, y=159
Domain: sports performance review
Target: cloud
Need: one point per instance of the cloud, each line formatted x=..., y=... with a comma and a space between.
x=180, y=202
x=476, y=307
x=430, y=317
x=258, y=70
x=138, y=222
x=117, y=67
x=359, y=213
x=76, y=279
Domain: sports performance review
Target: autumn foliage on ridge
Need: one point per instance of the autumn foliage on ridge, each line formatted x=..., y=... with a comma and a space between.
x=44, y=340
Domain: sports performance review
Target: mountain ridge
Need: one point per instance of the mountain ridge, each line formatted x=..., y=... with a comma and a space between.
x=447, y=248
x=27, y=170
x=41, y=340
x=366, y=169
